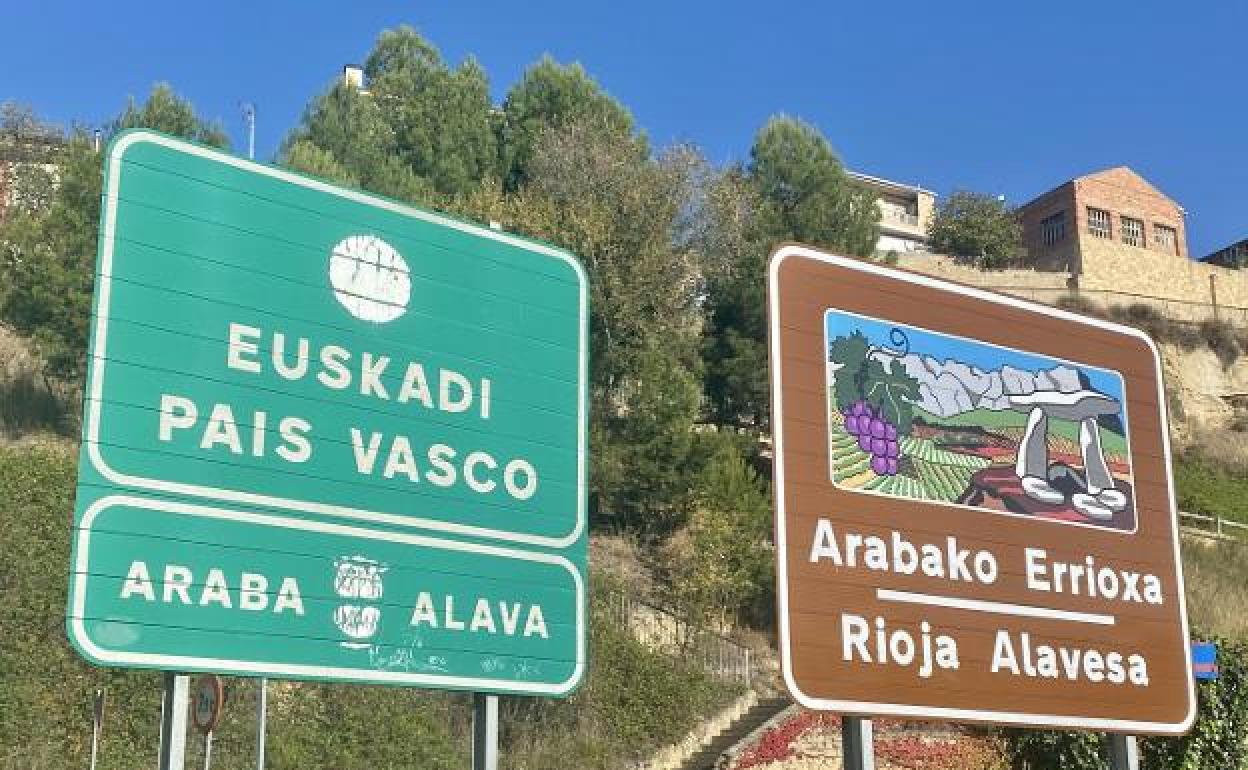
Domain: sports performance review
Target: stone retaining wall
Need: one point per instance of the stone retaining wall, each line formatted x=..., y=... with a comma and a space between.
x=672, y=757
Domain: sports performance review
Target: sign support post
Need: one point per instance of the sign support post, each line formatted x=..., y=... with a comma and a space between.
x=209, y=700
x=484, y=708
x=97, y=725
x=484, y=731
x=207, y=749
x=173, y=707
x=857, y=743
x=262, y=708
x=1124, y=752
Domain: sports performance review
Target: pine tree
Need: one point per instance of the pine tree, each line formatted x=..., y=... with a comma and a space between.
x=549, y=97
x=420, y=132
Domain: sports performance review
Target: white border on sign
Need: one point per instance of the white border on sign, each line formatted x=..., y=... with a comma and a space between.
x=933, y=712
x=1135, y=512
x=99, y=350
x=89, y=649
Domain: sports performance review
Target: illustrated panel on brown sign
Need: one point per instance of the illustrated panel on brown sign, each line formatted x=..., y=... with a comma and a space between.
x=974, y=508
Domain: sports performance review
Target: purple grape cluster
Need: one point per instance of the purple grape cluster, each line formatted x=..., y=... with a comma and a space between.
x=876, y=436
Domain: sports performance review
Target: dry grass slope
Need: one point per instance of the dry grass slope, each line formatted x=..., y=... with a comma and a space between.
x=1214, y=572
x=28, y=405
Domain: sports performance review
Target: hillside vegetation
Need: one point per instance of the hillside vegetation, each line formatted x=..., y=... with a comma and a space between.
x=633, y=699
x=1210, y=489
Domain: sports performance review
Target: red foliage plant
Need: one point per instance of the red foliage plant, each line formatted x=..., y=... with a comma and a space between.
x=776, y=744
x=909, y=751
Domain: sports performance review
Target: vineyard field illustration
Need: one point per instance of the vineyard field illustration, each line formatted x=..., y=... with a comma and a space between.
x=928, y=416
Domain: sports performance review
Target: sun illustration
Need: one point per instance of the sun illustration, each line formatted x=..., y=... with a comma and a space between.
x=370, y=278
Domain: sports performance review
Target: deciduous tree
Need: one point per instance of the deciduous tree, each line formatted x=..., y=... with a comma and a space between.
x=604, y=198
x=47, y=257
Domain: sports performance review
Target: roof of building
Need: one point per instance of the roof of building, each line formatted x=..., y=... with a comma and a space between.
x=1222, y=251
x=1106, y=172
x=888, y=183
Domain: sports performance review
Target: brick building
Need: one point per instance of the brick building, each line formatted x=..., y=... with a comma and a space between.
x=1112, y=214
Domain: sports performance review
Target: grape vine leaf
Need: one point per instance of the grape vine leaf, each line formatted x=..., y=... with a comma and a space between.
x=851, y=353
x=892, y=392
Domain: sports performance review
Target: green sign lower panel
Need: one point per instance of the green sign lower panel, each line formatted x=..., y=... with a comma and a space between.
x=259, y=594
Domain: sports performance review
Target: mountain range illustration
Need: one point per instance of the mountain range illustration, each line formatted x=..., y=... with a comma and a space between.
x=950, y=387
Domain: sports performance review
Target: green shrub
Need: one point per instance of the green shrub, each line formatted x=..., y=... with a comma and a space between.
x=1052, y=750
x=1077, y=303
x=720, y=566
x=1220, y=337
x=1217, y=335
x=1217, y=739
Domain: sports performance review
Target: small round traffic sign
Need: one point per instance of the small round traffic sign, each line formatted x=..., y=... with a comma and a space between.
x=209, y=695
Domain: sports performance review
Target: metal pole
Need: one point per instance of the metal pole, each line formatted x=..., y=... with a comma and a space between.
x=1124, y=752
x=262, y=709
x=857, y=744
x=249, y=113
x=207, y=749
x=173, y=707
x=97, y=724
x=484, y=731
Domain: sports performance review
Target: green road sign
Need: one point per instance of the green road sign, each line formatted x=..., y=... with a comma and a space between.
x=378, y=408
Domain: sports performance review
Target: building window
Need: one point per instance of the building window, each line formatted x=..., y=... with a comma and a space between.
x=1132, y=231
x=1098, y=223
x=1053, y=229
x=1166, y=238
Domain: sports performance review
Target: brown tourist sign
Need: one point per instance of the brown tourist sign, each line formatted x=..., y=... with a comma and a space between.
x=974, y=508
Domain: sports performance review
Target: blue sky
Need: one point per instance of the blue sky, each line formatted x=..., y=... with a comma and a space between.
x=1008, y=98
x=944, y=347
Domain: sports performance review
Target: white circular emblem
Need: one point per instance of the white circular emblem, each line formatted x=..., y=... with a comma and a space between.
x=370, y=278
